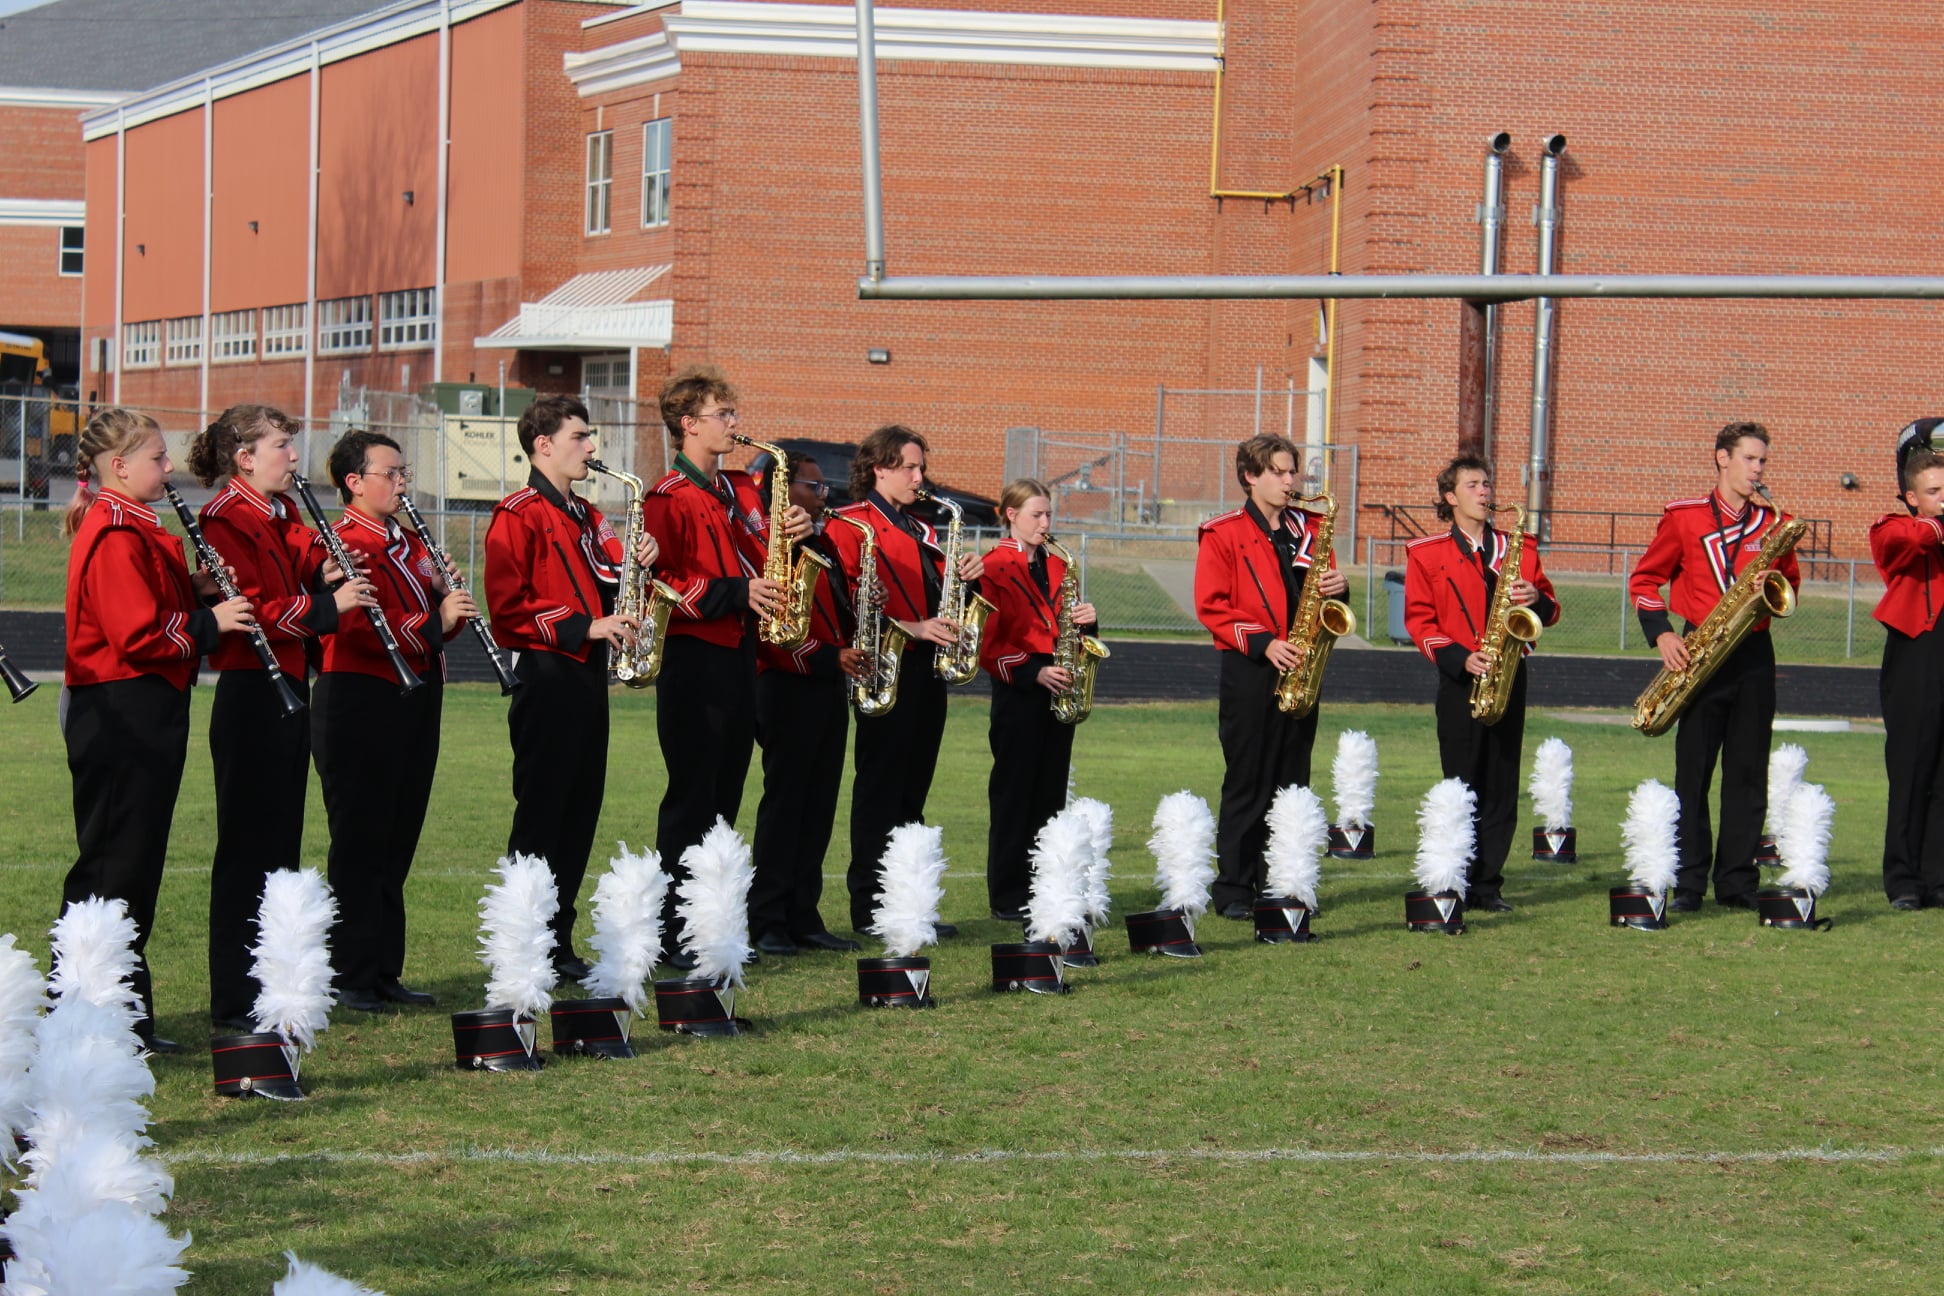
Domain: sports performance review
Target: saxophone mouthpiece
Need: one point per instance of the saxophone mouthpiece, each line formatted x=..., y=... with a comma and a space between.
x=597, y=465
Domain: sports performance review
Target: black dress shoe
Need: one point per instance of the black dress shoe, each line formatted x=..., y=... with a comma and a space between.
x=404, y=994
x=1009, y=915
x=776, y=943
x=1684, y=903
x=361, y=1000
x=1736, y=901
x=680, y=960
x=156, y=1044
x=1239, y=911
x=1490, y=904
x=823, y=940
x=946, y=930
x=571, y=966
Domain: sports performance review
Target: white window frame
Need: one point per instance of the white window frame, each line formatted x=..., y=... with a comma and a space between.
x=408, y=320
x=182, y=340
x=600, y=182
x=142, y=345
x=344, y=326
x=657, y=171
x=286, y=331
x=78, y=251
x=233, y=336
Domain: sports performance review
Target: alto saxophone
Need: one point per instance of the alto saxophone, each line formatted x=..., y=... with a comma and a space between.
x=1760, y=591
x=881, y=641
x=1508, y=627
x=641, y=597
x=964, y=610
x=789, y=626
x=1319, y=622
x=1078, y=654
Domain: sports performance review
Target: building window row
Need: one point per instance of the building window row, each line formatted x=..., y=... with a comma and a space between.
x=232, y=336
x=403, y=321
x=182, y=340
x=407, y=319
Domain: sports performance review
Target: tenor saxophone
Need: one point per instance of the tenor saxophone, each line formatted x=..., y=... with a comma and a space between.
x=647, y=600
x=1078, y=654
x=1760, y=591
x=881, y=641
x=1319, y=622
x=795, y=568
x=1508, y=628
x=957, y=604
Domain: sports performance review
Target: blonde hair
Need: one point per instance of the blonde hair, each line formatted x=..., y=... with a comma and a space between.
x=110, y=432
x=1020, y=490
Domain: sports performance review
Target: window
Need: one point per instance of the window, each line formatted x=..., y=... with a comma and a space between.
x=407, y=319
x=344, y=326
x=608, y=373
x=656, y=138
x=73, y=237
x=182, y=340
x=232, y=336
x=600, y=180
x=142, y=344
x=286, y=331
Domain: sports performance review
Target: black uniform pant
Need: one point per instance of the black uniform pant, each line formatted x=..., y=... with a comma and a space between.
x=126, y=744
x=376, y=753
x=558, y=722
x=1731, y=718
x=1031, y=756
x=892, y=763
x=1486, y=757
x=705, y=717
x=802, y=722
x=1912, y=689
x=262, y=762
x=1264, y=751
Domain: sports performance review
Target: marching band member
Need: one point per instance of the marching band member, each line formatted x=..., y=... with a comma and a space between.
x=896, y=753
x=377, y=750
x=713, y=526
x=803, y=724
x=1909, y=552
x=1031, y=750
x=137, y=628
x=261, y=756
x=1450, y=582
x=1697, y=551
x=553, y=568
x=1249, y=574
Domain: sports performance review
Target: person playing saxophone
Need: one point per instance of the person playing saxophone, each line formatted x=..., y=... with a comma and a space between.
x=1698, y=550
x=713, y=525
x=1451, y=581
x=1250, y=568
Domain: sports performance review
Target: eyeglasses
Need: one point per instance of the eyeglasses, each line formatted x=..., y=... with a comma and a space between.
x=397, y=476
x=726, y=415
x=820, y=488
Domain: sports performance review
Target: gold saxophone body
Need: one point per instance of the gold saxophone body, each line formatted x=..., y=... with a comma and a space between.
x=1508, y=628
x=1319, y=622
x=966, y=611
x=640, y=596
x=1078, y=654
x=881, y=642
x=1760, y=591
x=795, y=568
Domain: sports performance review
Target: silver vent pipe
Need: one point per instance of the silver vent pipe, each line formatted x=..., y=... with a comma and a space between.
x=1491, y=220
x=1538, y=464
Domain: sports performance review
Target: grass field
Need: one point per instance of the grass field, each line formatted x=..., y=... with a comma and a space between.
x=1543, y=1105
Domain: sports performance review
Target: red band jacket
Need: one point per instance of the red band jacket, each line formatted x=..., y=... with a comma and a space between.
x=1448, y=590
x=714, y=537
x=1697, y=551
x=131, y=609
x=278, y=563
x=1243, y=592
x=833, y=624
x=1909, y=553
x=410, y=587
x=553, y=567
x=903, y=557
x=1021, y=632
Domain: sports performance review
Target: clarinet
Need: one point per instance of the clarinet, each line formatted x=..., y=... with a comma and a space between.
x=334, y=544
x=11, y=675
x=213, y=564
x=507, y=679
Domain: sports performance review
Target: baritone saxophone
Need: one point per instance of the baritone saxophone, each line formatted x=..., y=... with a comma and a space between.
x=1319, y=622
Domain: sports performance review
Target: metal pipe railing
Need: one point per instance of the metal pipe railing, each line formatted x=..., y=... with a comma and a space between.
x=1470, y=287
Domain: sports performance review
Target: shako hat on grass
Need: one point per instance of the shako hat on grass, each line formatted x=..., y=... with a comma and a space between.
x=1183, y=846
x=1353, y=779
x=1803, y=835
x=912, y=874
x=714, y=910
x=516, y=945
x=1444, y=852
x=292, y=966
x=1554, y=839
x=1648, y=834
x=1299, y=833
x=626, y=942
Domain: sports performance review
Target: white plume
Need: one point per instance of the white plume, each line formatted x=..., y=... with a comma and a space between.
x=308, y=1280
x=293, y=956
x=1183, y=845
x=1787, y=764
x=1552, y=784
x=1353, y=775
x=94, y=958
x=627, y=937
x=515, y=941
x=23, y=996
x=98, y=1164
x=1100, y=825
x=912, y=871
x=1802, y=839
x=1299, y=833
x=89, y=1074
x=112, y=1250
x=1649, y=836
x=1056, y=910
x=1445, y=836
x=715, y=904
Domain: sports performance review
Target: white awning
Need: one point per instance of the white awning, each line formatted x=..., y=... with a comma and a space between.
x=597, y=311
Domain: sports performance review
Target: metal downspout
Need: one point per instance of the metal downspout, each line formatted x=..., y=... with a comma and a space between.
x=1539, y=458
x=1491, y=220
